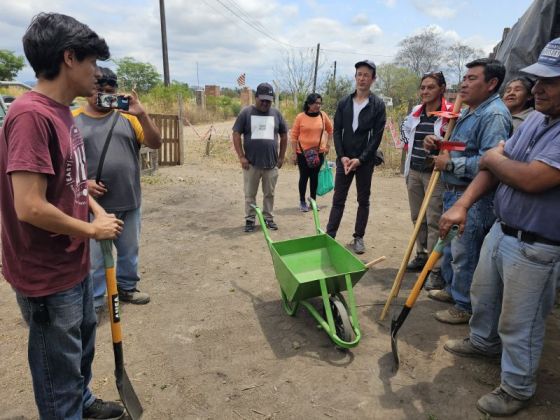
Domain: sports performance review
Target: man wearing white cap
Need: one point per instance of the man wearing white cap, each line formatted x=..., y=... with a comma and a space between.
x=514, y=283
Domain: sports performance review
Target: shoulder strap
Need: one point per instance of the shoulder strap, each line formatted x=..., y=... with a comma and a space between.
x=105, y=147
x=322, y=129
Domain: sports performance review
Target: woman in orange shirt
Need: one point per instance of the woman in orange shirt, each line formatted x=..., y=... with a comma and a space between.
x=307, y=133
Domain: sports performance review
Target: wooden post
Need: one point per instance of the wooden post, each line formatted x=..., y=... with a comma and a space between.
x=182, y=145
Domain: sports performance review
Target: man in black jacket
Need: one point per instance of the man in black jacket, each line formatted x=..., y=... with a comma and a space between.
x=358, y=128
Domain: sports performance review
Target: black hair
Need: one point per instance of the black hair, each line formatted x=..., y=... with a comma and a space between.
x=311, y=99
x=108, y=77
x=436, y=75
x=528, y=85
x=51, y=34
x=492, y=69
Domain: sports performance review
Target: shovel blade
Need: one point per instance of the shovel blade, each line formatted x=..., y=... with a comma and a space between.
x=128, y=396
x=394, y=348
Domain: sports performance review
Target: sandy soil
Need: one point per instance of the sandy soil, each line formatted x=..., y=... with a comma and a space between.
x=214, y=343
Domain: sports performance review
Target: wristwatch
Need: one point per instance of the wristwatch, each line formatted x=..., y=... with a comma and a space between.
x=449, y=166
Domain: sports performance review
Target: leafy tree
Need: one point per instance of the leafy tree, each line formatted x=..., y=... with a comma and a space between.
x=136, y=75
x=333, y=91
x=399, y=83
x=458, y=55
x=421, y=53
x=10, y=65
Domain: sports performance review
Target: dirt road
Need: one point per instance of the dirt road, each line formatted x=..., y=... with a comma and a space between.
x=214, y=343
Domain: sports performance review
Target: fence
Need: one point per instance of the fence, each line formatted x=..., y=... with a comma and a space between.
x=170, y=128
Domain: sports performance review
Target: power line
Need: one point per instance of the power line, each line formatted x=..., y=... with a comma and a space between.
x=261, y=31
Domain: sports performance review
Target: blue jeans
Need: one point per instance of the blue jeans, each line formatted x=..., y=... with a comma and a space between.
x=512, y=293
x=461, y=256
x=60, y=349
x=127, y=245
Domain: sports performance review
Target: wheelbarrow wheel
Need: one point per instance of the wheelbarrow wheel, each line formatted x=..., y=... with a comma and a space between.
x=341, y=319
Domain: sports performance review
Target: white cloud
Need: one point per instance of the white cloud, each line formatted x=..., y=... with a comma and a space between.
x=370, y=34
x=390, y=3
x=439, y=9
x=360, y=19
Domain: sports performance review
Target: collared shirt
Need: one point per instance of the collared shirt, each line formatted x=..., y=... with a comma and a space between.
x=480, y=130
x=536, y=139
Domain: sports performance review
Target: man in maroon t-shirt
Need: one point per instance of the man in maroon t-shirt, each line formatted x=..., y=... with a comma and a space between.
x=44, y=208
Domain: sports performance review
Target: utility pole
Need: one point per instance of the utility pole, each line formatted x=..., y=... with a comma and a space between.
x=334, y=73
x=164, y=43
x=316, y=65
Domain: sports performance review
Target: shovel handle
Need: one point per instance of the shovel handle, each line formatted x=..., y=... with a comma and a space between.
x=112, y=292
x=376, y=261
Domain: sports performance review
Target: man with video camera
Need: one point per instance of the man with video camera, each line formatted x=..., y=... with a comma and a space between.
x=112, y=140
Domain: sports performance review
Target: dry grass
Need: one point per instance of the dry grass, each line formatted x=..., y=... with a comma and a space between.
x=213, y=142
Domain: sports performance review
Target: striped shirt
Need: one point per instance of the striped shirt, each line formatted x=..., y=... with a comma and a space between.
x=418, y=160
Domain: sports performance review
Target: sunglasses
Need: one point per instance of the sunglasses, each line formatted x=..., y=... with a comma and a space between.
x=438, y=75
x=110, y=82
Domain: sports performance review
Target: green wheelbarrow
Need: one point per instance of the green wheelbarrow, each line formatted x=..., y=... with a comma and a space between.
x=315, y=266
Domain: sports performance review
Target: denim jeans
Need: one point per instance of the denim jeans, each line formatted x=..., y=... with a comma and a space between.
x=60, y=351
x=461, y=256
x=513, y=291
x=127, y=245
x=342, y=183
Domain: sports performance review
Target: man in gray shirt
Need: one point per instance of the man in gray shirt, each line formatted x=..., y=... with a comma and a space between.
x=260, y=126
x=118, y=190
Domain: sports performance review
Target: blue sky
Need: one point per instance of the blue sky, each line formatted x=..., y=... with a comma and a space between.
x=218, y=35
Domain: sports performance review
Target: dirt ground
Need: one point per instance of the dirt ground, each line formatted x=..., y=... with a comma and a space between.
x=215, y=343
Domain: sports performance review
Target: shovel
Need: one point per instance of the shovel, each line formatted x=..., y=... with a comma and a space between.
x=421, y=214
x=124, y=386
x=397, y=322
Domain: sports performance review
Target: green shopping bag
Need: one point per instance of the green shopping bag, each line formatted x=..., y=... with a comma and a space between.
x=326, y=181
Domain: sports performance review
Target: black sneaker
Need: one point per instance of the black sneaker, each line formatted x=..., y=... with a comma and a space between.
x=103, y=410
x=249, y=226
x=417, y=264
x=271, y=225
x=134, y=296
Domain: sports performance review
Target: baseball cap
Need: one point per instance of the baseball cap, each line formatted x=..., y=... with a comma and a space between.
x=265, y=92
x=548, y=64
x=368, y=63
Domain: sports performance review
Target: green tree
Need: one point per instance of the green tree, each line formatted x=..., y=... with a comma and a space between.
x=333, y=91
x=10, y=65
x=136, y=75
x=399, y=83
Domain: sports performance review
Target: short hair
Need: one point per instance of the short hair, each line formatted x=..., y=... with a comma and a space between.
x=108, y=77
x=311, y=99
x=492, y=69
x=51, y=34
x=528, y=85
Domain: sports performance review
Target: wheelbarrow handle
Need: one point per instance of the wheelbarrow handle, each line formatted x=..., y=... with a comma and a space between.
x=316, y=216
x=263, y=224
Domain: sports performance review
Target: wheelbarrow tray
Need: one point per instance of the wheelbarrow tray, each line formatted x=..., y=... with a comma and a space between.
x=300, y=263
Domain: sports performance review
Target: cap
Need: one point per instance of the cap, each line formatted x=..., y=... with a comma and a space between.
x=548, y=64
x=265, y=92
x=368, y=63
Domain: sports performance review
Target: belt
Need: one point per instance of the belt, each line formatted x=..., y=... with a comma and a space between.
x=454, y=187
x=528, y=237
